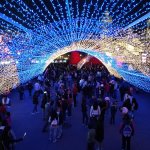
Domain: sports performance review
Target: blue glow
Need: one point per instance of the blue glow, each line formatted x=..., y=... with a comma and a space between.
x=33, y=33
x=147, y=16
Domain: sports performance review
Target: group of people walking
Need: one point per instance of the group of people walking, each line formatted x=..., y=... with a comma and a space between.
x=98, y=92
x=94, y=90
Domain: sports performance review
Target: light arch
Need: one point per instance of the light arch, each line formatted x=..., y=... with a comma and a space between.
x=105, y=49
x=95, y=27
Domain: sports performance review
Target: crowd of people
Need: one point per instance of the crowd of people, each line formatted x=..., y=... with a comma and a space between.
x=98, y=92
x=99, y=95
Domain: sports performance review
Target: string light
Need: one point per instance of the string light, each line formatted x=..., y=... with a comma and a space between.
x=33, y=35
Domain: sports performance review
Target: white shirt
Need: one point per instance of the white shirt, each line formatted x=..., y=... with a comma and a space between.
x=6, y=101
x=81, y=82
x=96, y=112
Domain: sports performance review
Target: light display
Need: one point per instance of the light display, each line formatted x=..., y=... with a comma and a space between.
x=33, y=34
x=83, y=61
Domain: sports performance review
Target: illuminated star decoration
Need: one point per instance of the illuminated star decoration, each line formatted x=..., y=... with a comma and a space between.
x=34, y=33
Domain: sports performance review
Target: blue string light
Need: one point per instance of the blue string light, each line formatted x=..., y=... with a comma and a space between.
x=34, y=32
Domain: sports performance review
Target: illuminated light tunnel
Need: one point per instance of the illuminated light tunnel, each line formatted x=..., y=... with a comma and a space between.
x=33, y=34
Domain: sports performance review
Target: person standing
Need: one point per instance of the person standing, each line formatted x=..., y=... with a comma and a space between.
x=95, y=110
x=113, y=110
x=91, y=137
x=84, y=112
x=99, y=133
x=60, y=122
x=127, y=131
x=8, y=139
x=64, y=107
x=30, y=87
x=37, y=88
x=75, y=92
x=69, y=99
x=35, y=102
x=53, y=121
x=21, y=92
x=49, y=108
x=43, y=103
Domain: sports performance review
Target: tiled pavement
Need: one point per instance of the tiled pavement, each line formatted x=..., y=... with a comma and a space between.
x=75, y=135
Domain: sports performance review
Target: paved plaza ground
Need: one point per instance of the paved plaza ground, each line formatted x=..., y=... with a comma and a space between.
x=75, y=134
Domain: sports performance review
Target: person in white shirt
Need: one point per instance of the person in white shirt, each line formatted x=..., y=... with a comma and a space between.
x=95, y=110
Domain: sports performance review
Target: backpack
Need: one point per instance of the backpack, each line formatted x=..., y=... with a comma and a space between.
x=127, y=130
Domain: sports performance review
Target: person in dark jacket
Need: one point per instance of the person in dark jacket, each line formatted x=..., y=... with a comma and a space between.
x=134, y=107
x=91, y=137
x=60, y=122
x=127, y=131
x=8, y=139
x=35, y=102
x=127, y=104
x=84, y=112
x=99, y=136
x=75, y=92
x=64, y=107
x=30, y=88
x=49, y=108
x=43, y=103
x=113, y=110
x=21, y=92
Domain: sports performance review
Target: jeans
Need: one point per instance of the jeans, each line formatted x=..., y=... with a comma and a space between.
x=21, y=95
x=126, y=142
x=69, y=109
x=30, y=92
x=59, y=131
x=112, y=119
x=74, y=99
x=84, y=118
x=53, y=133
x=35, y=108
